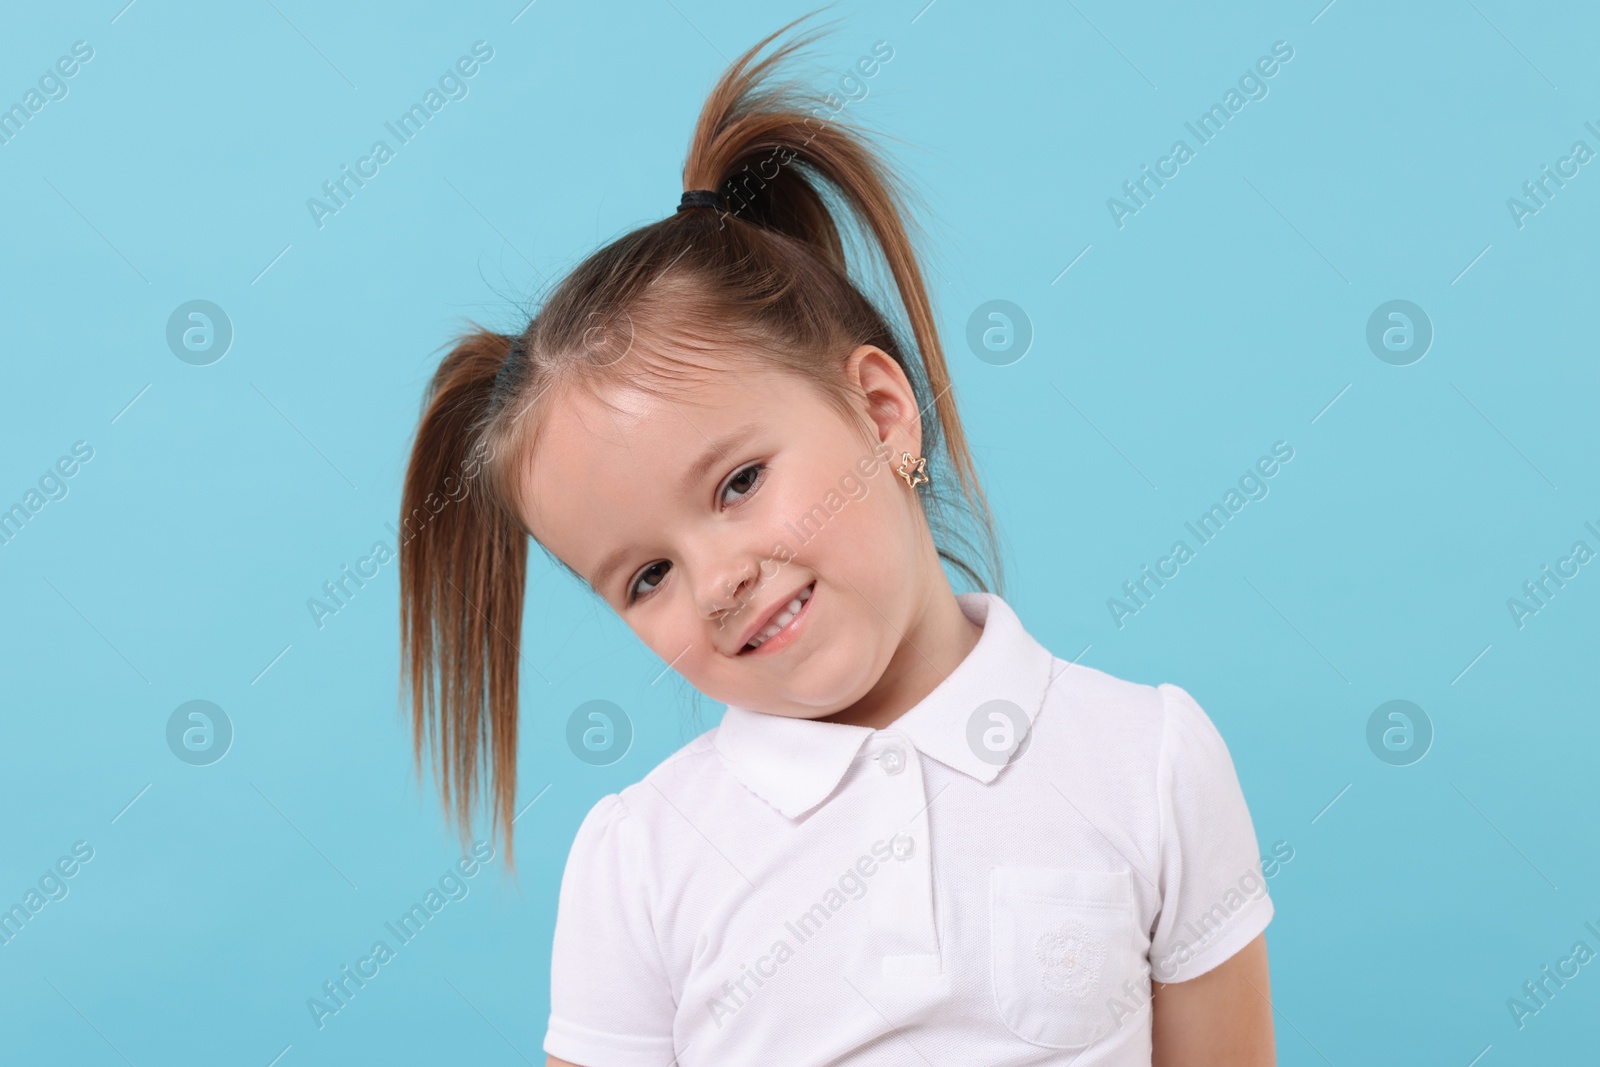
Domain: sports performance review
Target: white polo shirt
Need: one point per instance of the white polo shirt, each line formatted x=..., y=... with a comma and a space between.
x=979, y=883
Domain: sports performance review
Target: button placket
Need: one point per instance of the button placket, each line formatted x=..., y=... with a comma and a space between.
x=902, y=890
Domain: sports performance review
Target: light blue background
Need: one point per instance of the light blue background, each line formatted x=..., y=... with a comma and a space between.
x=1226, y=315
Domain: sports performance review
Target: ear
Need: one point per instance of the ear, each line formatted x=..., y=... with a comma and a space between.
x=887, y=397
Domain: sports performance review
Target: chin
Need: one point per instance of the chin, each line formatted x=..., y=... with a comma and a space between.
x=822, y=692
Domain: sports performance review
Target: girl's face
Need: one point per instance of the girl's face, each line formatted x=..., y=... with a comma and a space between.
x=700, y=519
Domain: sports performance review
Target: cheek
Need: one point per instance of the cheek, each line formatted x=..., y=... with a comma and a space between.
x=817, y=520
x=690, y=646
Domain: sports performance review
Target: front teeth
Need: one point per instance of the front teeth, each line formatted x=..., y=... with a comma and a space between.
x=782, y=619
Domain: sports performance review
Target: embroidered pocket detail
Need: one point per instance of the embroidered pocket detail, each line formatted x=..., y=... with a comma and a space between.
x=1072, y=957
x=1062, y=946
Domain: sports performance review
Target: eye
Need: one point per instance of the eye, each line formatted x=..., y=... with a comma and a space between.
x=745, y=480
x=660, y=565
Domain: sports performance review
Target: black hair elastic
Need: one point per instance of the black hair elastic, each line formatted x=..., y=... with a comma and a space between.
x=510, y=370
x=700, y=198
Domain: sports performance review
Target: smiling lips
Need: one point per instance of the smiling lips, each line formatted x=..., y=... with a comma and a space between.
x=780, y=617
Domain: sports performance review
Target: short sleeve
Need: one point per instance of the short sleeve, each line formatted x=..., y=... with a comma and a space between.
x=611, y=1004
x=1214, y=898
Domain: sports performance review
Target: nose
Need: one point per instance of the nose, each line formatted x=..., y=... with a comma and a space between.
x=726, y=583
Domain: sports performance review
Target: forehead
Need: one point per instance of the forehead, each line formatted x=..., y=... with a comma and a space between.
x=609, y=458
x=629, y=424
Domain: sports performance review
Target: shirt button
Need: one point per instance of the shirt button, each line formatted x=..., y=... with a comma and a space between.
x=893, y=761
x=901, y=845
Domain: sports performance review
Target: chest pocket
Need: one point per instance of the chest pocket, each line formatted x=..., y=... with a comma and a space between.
x=1062, y=944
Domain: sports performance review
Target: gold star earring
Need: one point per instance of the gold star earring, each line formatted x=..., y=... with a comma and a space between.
x=914, y=475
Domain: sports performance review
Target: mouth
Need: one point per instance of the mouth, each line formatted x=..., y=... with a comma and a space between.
x=781, y=624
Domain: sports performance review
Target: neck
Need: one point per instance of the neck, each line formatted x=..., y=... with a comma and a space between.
x=936, y=643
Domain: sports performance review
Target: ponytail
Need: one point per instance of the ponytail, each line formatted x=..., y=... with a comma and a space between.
x=463, y=560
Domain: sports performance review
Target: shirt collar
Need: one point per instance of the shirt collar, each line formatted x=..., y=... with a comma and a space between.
x=794, y=764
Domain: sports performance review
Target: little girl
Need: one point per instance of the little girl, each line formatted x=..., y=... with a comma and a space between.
x=916, y=835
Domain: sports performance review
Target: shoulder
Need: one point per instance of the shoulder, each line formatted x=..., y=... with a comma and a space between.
x=650, y=847
x=673, y=777
x=1082, y=702
x=1125, y=735
x=665, y=788
x=1083, y=699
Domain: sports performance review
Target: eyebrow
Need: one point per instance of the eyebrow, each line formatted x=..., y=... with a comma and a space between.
x=692, y=476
